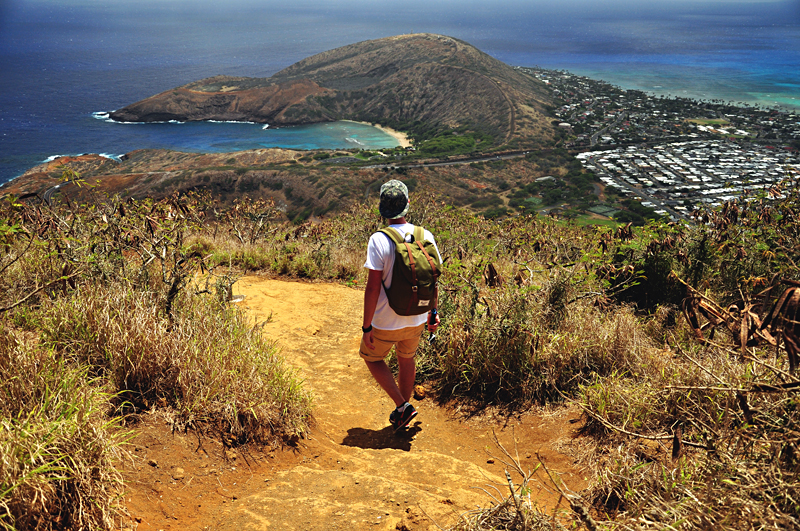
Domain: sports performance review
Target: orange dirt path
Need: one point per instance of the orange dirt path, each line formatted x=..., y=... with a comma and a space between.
x=352, y=472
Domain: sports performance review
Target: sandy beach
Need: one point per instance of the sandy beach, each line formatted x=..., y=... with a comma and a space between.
x=401, y=138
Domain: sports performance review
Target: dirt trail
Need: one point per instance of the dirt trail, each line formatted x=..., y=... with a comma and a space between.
x=353, y=472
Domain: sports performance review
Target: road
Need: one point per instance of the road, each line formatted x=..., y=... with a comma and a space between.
x=485, y=158
x=593, y=139
x=47, y=196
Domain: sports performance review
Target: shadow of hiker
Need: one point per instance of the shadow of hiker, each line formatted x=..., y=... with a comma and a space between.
x=382, y=439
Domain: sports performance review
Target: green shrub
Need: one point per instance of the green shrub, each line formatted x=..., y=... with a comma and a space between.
x=495, y=212
x=246, y=258
x=448, y=144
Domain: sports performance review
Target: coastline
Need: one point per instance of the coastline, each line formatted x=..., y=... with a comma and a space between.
x=401, y=138
x=706, y=84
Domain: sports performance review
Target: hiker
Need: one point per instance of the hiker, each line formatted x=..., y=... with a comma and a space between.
x=402, y=327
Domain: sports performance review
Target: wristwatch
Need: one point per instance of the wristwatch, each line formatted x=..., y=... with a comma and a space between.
x=367, y=329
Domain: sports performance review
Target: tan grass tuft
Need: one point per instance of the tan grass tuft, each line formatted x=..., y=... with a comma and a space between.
x=210, y=364
x=56, y=452
x=501, y=345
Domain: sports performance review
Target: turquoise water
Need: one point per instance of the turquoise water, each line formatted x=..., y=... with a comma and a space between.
x=698, y=82
x=221, y=137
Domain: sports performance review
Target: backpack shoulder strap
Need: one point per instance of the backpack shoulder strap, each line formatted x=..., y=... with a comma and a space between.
x=392, y=234
x=419, y=236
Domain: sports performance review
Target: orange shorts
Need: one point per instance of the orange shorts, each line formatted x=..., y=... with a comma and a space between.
x=404, y=340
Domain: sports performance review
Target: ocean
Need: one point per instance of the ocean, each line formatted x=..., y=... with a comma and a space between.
x=64, y=62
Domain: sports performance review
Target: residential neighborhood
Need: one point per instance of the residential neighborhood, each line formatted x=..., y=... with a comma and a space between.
x=673, y=154
x=674, y=178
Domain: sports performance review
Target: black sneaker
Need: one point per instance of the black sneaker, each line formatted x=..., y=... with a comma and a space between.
x=400, y=420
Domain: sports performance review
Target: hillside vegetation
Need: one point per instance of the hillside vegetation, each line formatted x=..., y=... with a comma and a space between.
x=691, y=418
x=307, y=185
x=107, y=311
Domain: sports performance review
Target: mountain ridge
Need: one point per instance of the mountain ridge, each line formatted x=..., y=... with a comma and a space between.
x=423, y=81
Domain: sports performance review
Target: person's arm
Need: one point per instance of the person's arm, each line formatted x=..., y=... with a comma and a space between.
x=371, y=294
x=432, y=327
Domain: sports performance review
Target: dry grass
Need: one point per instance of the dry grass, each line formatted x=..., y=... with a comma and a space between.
x=517, y=510
x=685, y=435
x=57, y=454
x=512, y=513
x=528, y=315
x=501, y=345
x=113, y=325
x=722, y=443
x=210, y=365
x=329, y=249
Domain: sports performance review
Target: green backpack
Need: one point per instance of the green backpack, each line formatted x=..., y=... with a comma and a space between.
x=416, y=274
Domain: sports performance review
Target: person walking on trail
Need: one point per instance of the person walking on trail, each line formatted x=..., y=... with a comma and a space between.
x=383, y=327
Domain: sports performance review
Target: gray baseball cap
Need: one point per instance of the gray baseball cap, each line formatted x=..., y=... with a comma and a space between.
x=394, y=199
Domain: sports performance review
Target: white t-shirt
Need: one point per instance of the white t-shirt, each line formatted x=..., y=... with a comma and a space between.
x=380, y=257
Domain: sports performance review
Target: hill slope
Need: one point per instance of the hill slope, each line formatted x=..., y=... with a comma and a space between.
x=405, y=81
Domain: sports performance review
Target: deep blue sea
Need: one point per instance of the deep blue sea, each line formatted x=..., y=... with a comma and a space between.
x=63, y=60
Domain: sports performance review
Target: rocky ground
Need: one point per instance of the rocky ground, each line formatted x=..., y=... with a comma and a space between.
x=352, y=472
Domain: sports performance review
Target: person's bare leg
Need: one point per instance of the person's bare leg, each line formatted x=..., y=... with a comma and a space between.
x=406, y=373
x=383, y=375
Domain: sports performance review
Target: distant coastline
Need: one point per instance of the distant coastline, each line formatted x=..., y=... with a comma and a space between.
x=704, y=84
